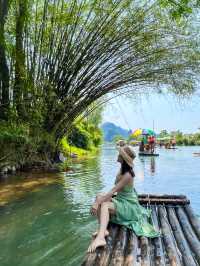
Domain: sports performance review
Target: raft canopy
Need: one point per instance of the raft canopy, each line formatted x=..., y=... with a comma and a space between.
x=179, y=243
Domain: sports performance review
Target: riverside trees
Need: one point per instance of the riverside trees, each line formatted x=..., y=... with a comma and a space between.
x=58, y=57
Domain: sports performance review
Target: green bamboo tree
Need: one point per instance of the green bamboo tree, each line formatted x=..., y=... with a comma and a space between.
x=60, y=56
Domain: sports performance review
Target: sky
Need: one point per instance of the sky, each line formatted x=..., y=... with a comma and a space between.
x=158, y=111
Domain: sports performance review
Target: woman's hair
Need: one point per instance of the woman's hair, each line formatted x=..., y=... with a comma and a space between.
x=126, y=168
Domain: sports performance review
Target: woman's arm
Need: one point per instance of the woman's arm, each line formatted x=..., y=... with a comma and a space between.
x=118, y=187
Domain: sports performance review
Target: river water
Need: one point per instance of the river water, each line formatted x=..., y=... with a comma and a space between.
x=44, y=218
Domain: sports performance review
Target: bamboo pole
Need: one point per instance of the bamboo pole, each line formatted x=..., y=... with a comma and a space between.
x=119, y=250
x=189, y=232
x=180, y=239
x=90, y=259
x=170, y=246
x=164, y=200
x=159, y=251
x=103, y=257
x=131, y=251
x=161, y=196
x=145, y=251
x=194, y=220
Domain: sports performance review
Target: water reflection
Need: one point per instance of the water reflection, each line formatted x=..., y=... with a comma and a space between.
x=148, y=162
x=49, y=225
x=153, y=165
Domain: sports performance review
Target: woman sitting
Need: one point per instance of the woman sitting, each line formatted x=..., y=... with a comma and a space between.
x=124, y=208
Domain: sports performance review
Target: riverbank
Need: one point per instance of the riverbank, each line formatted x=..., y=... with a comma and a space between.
x=24, y=148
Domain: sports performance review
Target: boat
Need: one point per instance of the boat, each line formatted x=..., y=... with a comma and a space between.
x=196, y=153
x=143, y=153
x=178, y=244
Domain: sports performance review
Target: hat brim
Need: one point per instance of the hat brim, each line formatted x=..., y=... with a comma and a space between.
x=126, y=157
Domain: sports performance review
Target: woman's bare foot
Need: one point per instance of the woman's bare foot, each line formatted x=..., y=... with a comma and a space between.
x=95, y=233
x=97, y=242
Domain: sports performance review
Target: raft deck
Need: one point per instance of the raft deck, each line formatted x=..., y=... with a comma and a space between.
x=178, y=245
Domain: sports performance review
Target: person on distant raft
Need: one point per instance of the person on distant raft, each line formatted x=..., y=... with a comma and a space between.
x=124, y=208
x=141, y=147
x=173, y=143
x=145, y=141
x=152, y=144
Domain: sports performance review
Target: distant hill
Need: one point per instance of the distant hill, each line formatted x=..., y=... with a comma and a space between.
x=110, y=130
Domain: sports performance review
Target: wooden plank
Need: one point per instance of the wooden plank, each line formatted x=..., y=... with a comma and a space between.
x=194, y=220
x=104, y=256
x=170, y=246
x=180, y=239
x=119, y=249
x=164, y=201
x=159, y=255
x=132, y=250
x=189, y=232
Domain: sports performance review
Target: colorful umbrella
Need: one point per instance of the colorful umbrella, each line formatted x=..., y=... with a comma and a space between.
x=139, y=132
x=136, y=133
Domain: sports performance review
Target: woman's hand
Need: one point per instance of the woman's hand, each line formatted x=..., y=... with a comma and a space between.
x=94, y=208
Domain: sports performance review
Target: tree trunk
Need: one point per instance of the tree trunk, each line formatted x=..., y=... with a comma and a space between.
x=20, y=70
x=4, y=71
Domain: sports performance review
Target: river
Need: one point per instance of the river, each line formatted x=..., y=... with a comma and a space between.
x=45, y=220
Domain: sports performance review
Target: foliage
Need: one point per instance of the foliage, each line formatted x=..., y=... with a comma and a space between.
x=79, y=137
x=118, y=137
x=68, y=150
x=182, y=139
x=179, y=8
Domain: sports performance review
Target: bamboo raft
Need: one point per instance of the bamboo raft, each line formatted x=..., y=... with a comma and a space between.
x=178, y=245
x=147, y=154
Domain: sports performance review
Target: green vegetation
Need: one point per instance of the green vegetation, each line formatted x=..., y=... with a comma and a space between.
x=84, y=138
x=182, y=139
x=58, y=58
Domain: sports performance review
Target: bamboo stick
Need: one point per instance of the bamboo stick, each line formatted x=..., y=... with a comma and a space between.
x=119, y=250
x=194, y=220
x=159, y=252
x=145, y=251
x=90, y=259
x=103, y=257
x=180, y=239
x=161, y=196
x=170, y=246
x=164, y=200
x=189, y=232
x=131, y=251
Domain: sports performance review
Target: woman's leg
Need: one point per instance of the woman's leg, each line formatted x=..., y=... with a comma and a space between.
x=106, y=209
x=98, y=217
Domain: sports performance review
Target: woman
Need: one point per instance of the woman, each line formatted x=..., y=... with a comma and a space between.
x=124, y=208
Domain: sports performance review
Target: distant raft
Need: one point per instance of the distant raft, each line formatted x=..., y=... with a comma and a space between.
x=196, y=153
x=179, y=244
x=143, y=153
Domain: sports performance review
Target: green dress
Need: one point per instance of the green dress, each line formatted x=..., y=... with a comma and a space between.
x=131, y=214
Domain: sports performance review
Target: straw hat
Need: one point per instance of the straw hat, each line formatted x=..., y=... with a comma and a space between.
x=127, y=154
x=121, y=143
